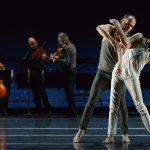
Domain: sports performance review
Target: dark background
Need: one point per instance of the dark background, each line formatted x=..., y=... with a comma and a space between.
x=46, y=18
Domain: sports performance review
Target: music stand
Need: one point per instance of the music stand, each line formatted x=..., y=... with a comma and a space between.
x=6, y=75
x=28, y=84
x=23, y=79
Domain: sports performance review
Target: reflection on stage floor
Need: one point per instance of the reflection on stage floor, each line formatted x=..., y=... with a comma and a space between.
x=43, y=133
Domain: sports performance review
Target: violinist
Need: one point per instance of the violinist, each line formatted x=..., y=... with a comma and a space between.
x=36, y=64
x=66, y=55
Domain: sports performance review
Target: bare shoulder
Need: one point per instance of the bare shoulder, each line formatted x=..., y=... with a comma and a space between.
x=137, y=35
x=106, y=27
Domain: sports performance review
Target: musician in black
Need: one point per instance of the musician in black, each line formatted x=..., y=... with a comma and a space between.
x=35, y=61
x=68, y=59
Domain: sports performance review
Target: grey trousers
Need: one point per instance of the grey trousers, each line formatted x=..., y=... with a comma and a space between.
x=133, y=86
x=101, y=82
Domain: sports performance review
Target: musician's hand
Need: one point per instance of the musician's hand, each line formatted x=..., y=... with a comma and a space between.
x=44, y=57
x=53, y=57
x=1, y=66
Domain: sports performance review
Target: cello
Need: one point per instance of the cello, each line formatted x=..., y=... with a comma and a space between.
x=3, y=90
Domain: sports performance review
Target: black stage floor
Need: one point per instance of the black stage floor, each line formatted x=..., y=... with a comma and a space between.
x=43, y=133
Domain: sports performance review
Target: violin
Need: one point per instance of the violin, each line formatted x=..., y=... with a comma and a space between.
x=3, y=90
x=38, y=53
x=57, y=53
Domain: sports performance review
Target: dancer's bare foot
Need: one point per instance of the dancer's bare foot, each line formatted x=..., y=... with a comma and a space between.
x=109, y=139
x=125, y=138
x=78, y=136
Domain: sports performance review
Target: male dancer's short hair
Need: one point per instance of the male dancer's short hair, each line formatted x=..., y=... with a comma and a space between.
x=128, y=15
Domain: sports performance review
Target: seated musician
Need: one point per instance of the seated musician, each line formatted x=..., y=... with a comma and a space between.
x=36, y=64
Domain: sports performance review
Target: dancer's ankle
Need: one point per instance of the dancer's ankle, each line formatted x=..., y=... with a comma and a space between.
x=109, y=139
x=125, y=138
x=78, y=136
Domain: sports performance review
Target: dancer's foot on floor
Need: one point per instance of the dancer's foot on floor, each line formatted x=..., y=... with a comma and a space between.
x=78, y=136
x=125, y=138
x=77, y=146
x=108, y=140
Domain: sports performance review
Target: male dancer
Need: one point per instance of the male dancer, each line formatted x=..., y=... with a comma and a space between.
x=107, y=61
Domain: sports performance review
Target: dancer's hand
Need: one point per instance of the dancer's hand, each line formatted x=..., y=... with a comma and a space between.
x=118, y=70
x=120, y=46
x=114, y=22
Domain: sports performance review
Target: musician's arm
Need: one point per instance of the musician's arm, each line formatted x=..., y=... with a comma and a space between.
x=27, y=55
x=65, y=60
